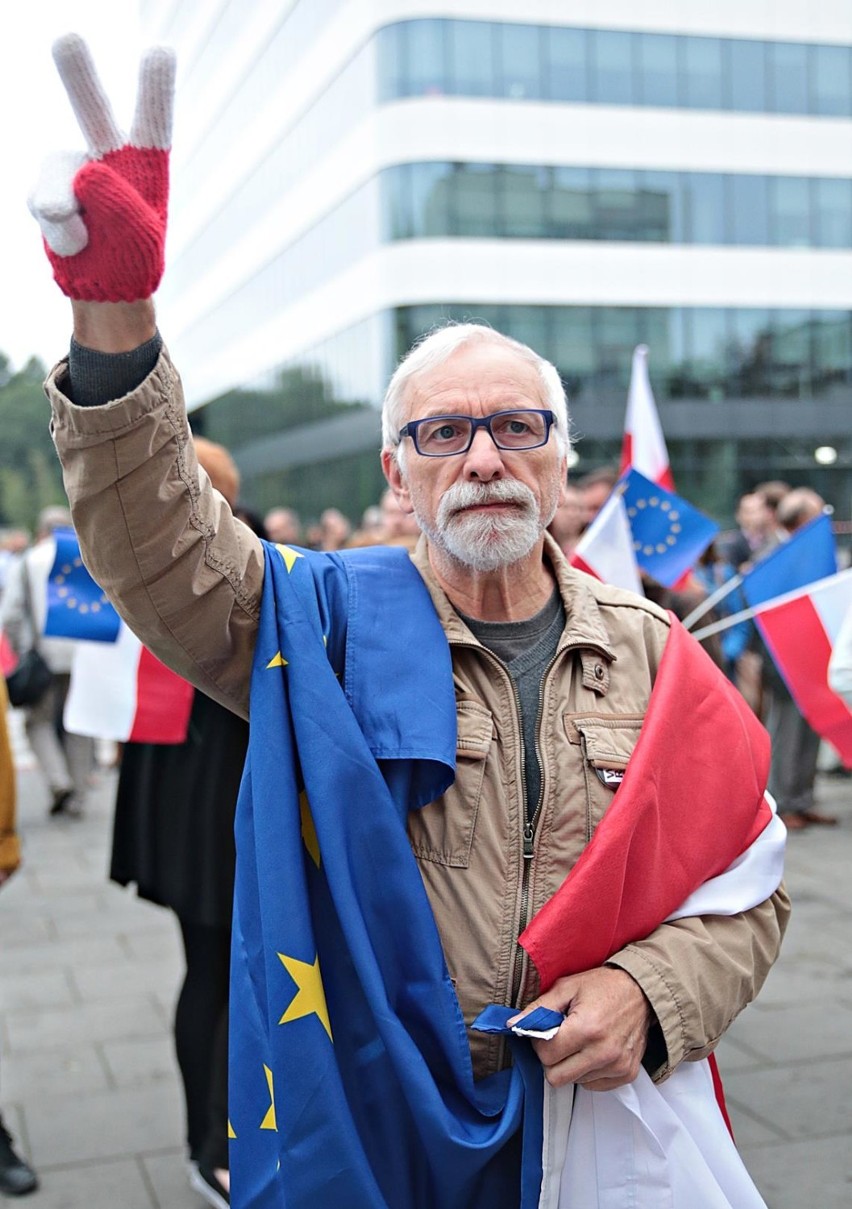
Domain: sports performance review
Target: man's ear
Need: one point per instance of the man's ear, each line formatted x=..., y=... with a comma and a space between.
x=396, y=480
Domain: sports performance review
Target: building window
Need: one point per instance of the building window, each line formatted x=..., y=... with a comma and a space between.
x=613, y=67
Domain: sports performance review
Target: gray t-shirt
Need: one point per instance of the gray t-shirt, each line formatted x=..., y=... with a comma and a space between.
x=526, y=648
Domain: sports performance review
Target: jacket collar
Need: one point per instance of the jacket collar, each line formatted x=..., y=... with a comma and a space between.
x=584, y=630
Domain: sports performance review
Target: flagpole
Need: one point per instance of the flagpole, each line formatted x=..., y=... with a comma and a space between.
x=747, y=614
x=706, y=605
x=726, y=622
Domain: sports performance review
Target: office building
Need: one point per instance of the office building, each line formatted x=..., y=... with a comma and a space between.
x=583, y=176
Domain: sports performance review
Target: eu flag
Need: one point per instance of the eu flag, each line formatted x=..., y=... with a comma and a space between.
x=809, y=555
x=351, y=1081
x=669, y=535
x=76, y=605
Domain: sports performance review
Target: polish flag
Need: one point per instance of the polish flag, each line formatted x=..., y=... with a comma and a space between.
x=606, y=548
x=121, y=691
x=644, y=446
x=800, y=630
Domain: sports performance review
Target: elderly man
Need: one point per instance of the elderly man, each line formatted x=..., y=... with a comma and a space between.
x=552, y=675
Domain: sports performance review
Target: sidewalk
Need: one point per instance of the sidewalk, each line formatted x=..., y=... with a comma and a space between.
x=88, y=978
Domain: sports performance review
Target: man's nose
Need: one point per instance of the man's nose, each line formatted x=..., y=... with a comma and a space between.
x=483, y=461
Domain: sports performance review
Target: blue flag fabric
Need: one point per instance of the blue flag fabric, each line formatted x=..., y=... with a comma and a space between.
x=809, y=555
x=351, y=1080
x=669, y=535
x=76, y=605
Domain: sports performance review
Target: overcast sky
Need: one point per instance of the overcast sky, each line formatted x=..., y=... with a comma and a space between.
x=34, y=316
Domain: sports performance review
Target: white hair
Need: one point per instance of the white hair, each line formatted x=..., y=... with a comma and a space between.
x=436, y=347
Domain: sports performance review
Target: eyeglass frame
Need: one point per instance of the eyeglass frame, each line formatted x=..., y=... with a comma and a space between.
x=477, y=422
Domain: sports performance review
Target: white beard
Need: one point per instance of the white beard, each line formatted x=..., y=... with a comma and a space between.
x=484, y=541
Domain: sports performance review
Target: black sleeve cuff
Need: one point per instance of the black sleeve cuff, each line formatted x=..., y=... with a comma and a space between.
x=97, y=378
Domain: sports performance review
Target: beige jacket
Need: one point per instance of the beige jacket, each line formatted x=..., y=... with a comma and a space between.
x=187, y=577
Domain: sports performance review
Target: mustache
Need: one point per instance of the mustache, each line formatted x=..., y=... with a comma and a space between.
x=471, y=495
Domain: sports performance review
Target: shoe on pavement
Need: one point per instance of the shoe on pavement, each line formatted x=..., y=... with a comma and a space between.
x=203, y=1180
x=16, y=1177
x=793, y=822
x=819, y=819
x=60, y=801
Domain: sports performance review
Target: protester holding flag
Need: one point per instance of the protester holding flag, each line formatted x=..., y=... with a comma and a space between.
x=66, y=759
x=433, y=742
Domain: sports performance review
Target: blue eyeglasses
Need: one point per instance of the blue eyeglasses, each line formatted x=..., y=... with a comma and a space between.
x=442, y=436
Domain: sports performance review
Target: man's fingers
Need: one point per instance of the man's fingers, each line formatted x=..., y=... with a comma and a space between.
x=88, y=99
x=55, y=207
x=152, y=122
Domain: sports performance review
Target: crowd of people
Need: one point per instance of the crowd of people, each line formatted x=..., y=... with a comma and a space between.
x=175, y=804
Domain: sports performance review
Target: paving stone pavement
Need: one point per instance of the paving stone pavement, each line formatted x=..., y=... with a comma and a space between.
x=89, y=973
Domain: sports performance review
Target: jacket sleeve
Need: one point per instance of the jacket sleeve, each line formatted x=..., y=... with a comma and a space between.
x=698, y=973
x=184, y=574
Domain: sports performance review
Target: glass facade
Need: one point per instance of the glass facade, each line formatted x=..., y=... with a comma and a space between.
x=529, y=201
x=447, y=57
x=696, y=352
x=729, y=358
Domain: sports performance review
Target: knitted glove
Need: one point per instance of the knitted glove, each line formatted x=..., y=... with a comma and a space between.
x=103, y=215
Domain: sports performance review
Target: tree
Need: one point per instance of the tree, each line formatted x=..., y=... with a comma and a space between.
x=30, y=477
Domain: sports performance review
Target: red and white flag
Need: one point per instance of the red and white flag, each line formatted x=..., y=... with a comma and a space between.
x=644, y=446
x=800, y=630
x=606, y=548
x=121, y=691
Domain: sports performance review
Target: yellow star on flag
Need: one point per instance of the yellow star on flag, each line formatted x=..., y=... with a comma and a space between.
x=277, y=660
x=231, y=1133
x=288, y=555
x=309, y=1000
x=268, y=1121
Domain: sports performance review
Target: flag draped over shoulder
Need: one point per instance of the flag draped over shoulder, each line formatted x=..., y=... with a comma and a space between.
x=700, y=745
x=351, y=1079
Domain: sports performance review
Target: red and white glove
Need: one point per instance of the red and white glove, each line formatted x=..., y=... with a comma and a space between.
x=103, y=215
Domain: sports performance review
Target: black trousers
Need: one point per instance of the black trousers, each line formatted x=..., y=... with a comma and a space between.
x=201, y=1040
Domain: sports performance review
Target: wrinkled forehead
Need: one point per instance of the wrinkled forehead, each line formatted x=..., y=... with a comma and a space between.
x=477, y=379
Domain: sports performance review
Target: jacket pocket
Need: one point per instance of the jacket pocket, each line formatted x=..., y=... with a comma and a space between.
x=443, y=831
x=607, y=744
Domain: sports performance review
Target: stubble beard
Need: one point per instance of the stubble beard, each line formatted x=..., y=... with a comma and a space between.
x=486, y=541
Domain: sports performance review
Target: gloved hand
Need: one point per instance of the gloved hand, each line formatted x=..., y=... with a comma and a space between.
x=103, y=215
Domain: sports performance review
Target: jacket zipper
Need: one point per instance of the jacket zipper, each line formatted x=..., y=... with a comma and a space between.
x=519, y=969
x=530, y=824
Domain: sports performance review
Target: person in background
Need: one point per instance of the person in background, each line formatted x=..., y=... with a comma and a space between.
x=334, y=530
x=595, y=488
x=283, y=526
x=16, y=1177
x=173, y=837
x=66, y=760
x=568, y=521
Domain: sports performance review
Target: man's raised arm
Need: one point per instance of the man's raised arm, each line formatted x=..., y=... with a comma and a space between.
x=184, y=574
